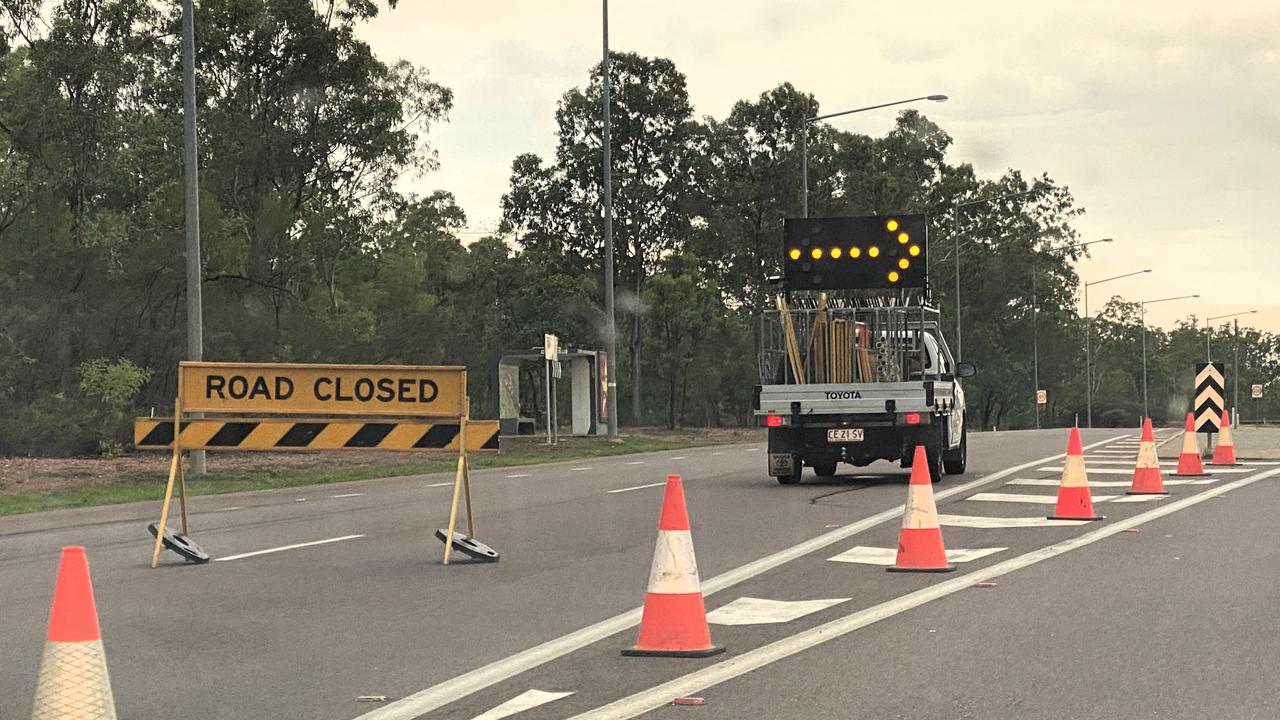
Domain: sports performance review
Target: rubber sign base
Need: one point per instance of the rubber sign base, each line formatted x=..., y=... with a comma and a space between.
x=470, y=547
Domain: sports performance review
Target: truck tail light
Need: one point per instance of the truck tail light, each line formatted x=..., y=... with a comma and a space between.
x=911, y=418
x=773, y=421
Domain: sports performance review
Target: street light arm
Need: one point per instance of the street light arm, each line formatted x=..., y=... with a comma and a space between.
x=980, y=201
x=816, y=118
x=1222, y=317
x=1153, y=302
x=1117, y=277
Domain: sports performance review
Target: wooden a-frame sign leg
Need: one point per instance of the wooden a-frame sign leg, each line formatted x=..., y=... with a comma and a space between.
x=461, y=485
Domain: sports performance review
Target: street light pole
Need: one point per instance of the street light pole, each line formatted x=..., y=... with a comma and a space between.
x=1208, y=330
x=1142, y=308
x=611, y=332
x=1088, y=332
x=191, y=202
x=1035, y=322
x=804, y=140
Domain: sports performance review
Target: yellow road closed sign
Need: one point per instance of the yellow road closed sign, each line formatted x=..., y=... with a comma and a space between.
x=252, y=388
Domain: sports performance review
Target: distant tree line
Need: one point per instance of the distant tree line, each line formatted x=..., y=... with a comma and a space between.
x=312, y=252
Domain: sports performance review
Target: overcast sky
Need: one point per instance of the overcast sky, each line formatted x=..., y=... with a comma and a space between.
x=1163, y=117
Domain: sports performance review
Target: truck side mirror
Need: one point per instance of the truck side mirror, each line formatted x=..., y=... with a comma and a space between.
x=964, y=370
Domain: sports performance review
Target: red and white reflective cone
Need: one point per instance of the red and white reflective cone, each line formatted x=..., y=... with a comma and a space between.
x=1146, y=475
x=73, y=682
x=674, y=623
x=1189, y=464
x=920, y=547
x=1075, y=502
x=1225, y=452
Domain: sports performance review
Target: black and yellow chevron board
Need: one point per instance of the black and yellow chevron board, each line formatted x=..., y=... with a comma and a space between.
x=243, y=434
x=1209, y=401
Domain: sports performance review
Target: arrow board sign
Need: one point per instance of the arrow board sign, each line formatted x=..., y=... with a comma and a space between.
x=1208, y=400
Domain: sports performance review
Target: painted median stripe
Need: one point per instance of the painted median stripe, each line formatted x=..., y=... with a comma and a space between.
x=887, y=556
x=739, y=665
x=268, y=551
x=1122, y=471
x=988, y=523
x=1038, y=499
x=456, y=688
x=759, y=611
x=638, y=487
x=524, y=701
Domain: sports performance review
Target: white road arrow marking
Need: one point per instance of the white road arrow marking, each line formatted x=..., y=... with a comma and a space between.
x=887, y=556
x=758, y=611
x=520, y=703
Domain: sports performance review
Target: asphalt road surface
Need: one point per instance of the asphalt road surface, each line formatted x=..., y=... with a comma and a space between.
x=1084, y=620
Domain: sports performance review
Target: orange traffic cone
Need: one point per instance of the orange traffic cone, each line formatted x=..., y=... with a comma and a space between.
x=674, y=623
x=73, y=682
x=1225, y=452
x=1075, y=502
x=1146, y=475
x=920, y=546
x=1189, y=464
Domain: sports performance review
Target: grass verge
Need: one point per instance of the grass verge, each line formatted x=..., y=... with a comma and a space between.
x=148, y=485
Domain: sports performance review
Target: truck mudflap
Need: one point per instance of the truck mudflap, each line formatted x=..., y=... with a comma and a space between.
x=782, y=464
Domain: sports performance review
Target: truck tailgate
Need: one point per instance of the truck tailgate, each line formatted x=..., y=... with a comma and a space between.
x=916, y=396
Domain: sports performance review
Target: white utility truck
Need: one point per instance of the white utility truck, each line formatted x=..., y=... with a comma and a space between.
x=853, y=364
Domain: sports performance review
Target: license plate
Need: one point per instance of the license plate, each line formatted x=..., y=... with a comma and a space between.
x=844, y=435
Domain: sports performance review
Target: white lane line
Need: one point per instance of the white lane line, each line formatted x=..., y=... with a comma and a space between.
x=524, y=701
x=346, y=495
x=460, y=686
x=758, y=611
x=678, y=457
x=636, y=462
x=582, y=468
x=515, y=475
x=974, y=521
x=638, y=487
x=738, y=665
x=226, y=509
x=1123, y=471
x=888, y=556
x=1139, y=498
x=753, y=449
x=299, y=499
x=440, y=484
x=255, y=553
x=1038, y=499
x=717, y=453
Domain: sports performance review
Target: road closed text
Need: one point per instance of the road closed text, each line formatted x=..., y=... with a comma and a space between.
x=373, y=390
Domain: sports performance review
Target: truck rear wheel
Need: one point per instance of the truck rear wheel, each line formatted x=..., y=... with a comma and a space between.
x=934, y=454
x=954, y=461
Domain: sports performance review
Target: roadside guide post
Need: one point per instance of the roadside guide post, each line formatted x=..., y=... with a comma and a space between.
x=219, y=406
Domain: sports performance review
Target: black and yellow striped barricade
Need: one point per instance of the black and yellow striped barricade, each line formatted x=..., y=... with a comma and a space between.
x=220, y=406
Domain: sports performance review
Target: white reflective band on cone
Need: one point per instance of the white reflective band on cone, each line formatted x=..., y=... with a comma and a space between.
x=674, y=570
x=921, y=510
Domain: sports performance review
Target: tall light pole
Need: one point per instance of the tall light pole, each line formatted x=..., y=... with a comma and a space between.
x=191, y=202
x=1035, y=322
x=1142, y=313
x=804, y=140
x=611, y=338
x=1208, y=330
x=955, y=236
x=1088, y=332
